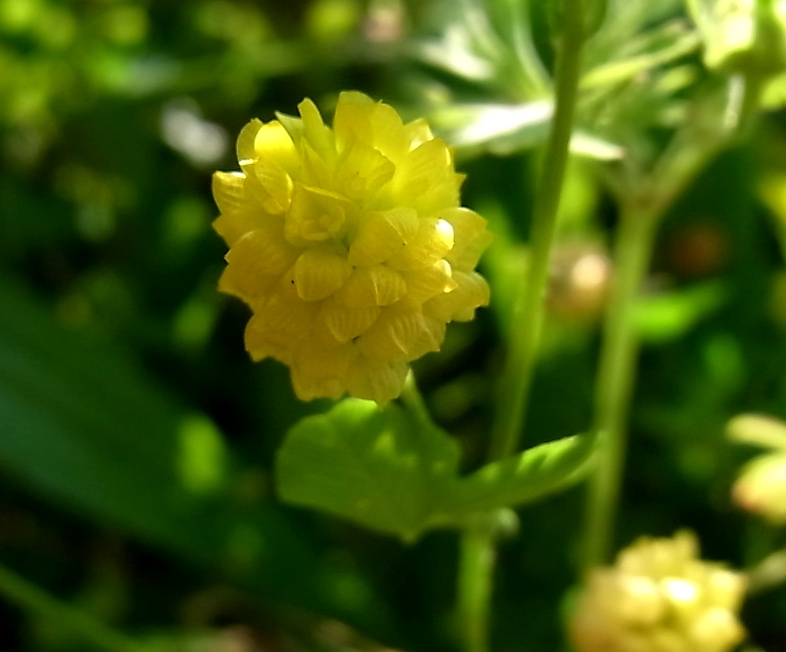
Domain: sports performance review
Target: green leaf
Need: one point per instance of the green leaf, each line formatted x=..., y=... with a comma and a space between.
x=670, y=315
x=389, y=471
x=83, y=426
x=524, y=478
x=655, y=48
x=379, y=467
x=758, y=430
x=774, y=93
x=504, y=129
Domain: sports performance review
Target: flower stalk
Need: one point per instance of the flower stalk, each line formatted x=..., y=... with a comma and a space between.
x=643, y=202
x=528, y=313
x=616, y=373
x=478, y=543
x=476, y=567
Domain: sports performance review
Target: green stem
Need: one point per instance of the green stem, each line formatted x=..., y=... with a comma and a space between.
x=616, y=376
x=476, y=567
x=31, y=598
x=413, y=400
x=478, y=544
x=528, y=313
x=641, y=208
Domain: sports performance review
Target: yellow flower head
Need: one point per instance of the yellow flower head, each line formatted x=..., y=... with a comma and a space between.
x=349, y=245
x=659, y=597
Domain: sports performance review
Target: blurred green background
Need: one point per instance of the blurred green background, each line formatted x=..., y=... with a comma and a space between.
x=136, y=437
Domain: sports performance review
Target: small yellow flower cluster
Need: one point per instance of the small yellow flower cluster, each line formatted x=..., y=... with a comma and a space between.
x=349, y=245
x=659, y=597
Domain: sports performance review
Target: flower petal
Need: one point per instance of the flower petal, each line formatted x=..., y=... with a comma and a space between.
x=351, y=122
x=315, y=132
x=317, y=171
x=345, y=323
x=433, y=242
x=470, y=238
x=229, y=191
x=273, y=142
x=318, y=371
x=423, y=284
x=264, y=250
x=390, y=137
x=316, y=215
x=281, y=323
x=376, y=380
x=362, y=170
x=471, y=292
x=372, y=286
x=273, y=167
x=256, y=261
x=319, y=272
x=400, y=335
x=427, y=177
x=247, y=283
x=239, y=211
x=417, y=132
x=246, y=150
x=380, y=235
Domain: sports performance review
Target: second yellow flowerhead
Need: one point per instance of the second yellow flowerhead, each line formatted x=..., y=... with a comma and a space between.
x=349, y=245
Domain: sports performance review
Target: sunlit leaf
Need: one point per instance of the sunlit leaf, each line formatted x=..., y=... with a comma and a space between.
x=672, y=314
x=525, y=477
x=386, y=470
x=655, y=48
x=504, y=129
x=377, y=467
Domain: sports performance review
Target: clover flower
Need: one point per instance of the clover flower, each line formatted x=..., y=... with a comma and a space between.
x=349, y=245
x=659, y=597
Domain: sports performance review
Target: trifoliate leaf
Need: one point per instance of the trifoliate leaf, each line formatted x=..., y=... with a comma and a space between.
x=378, y=467
x=390, y=471
x=526, y=477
